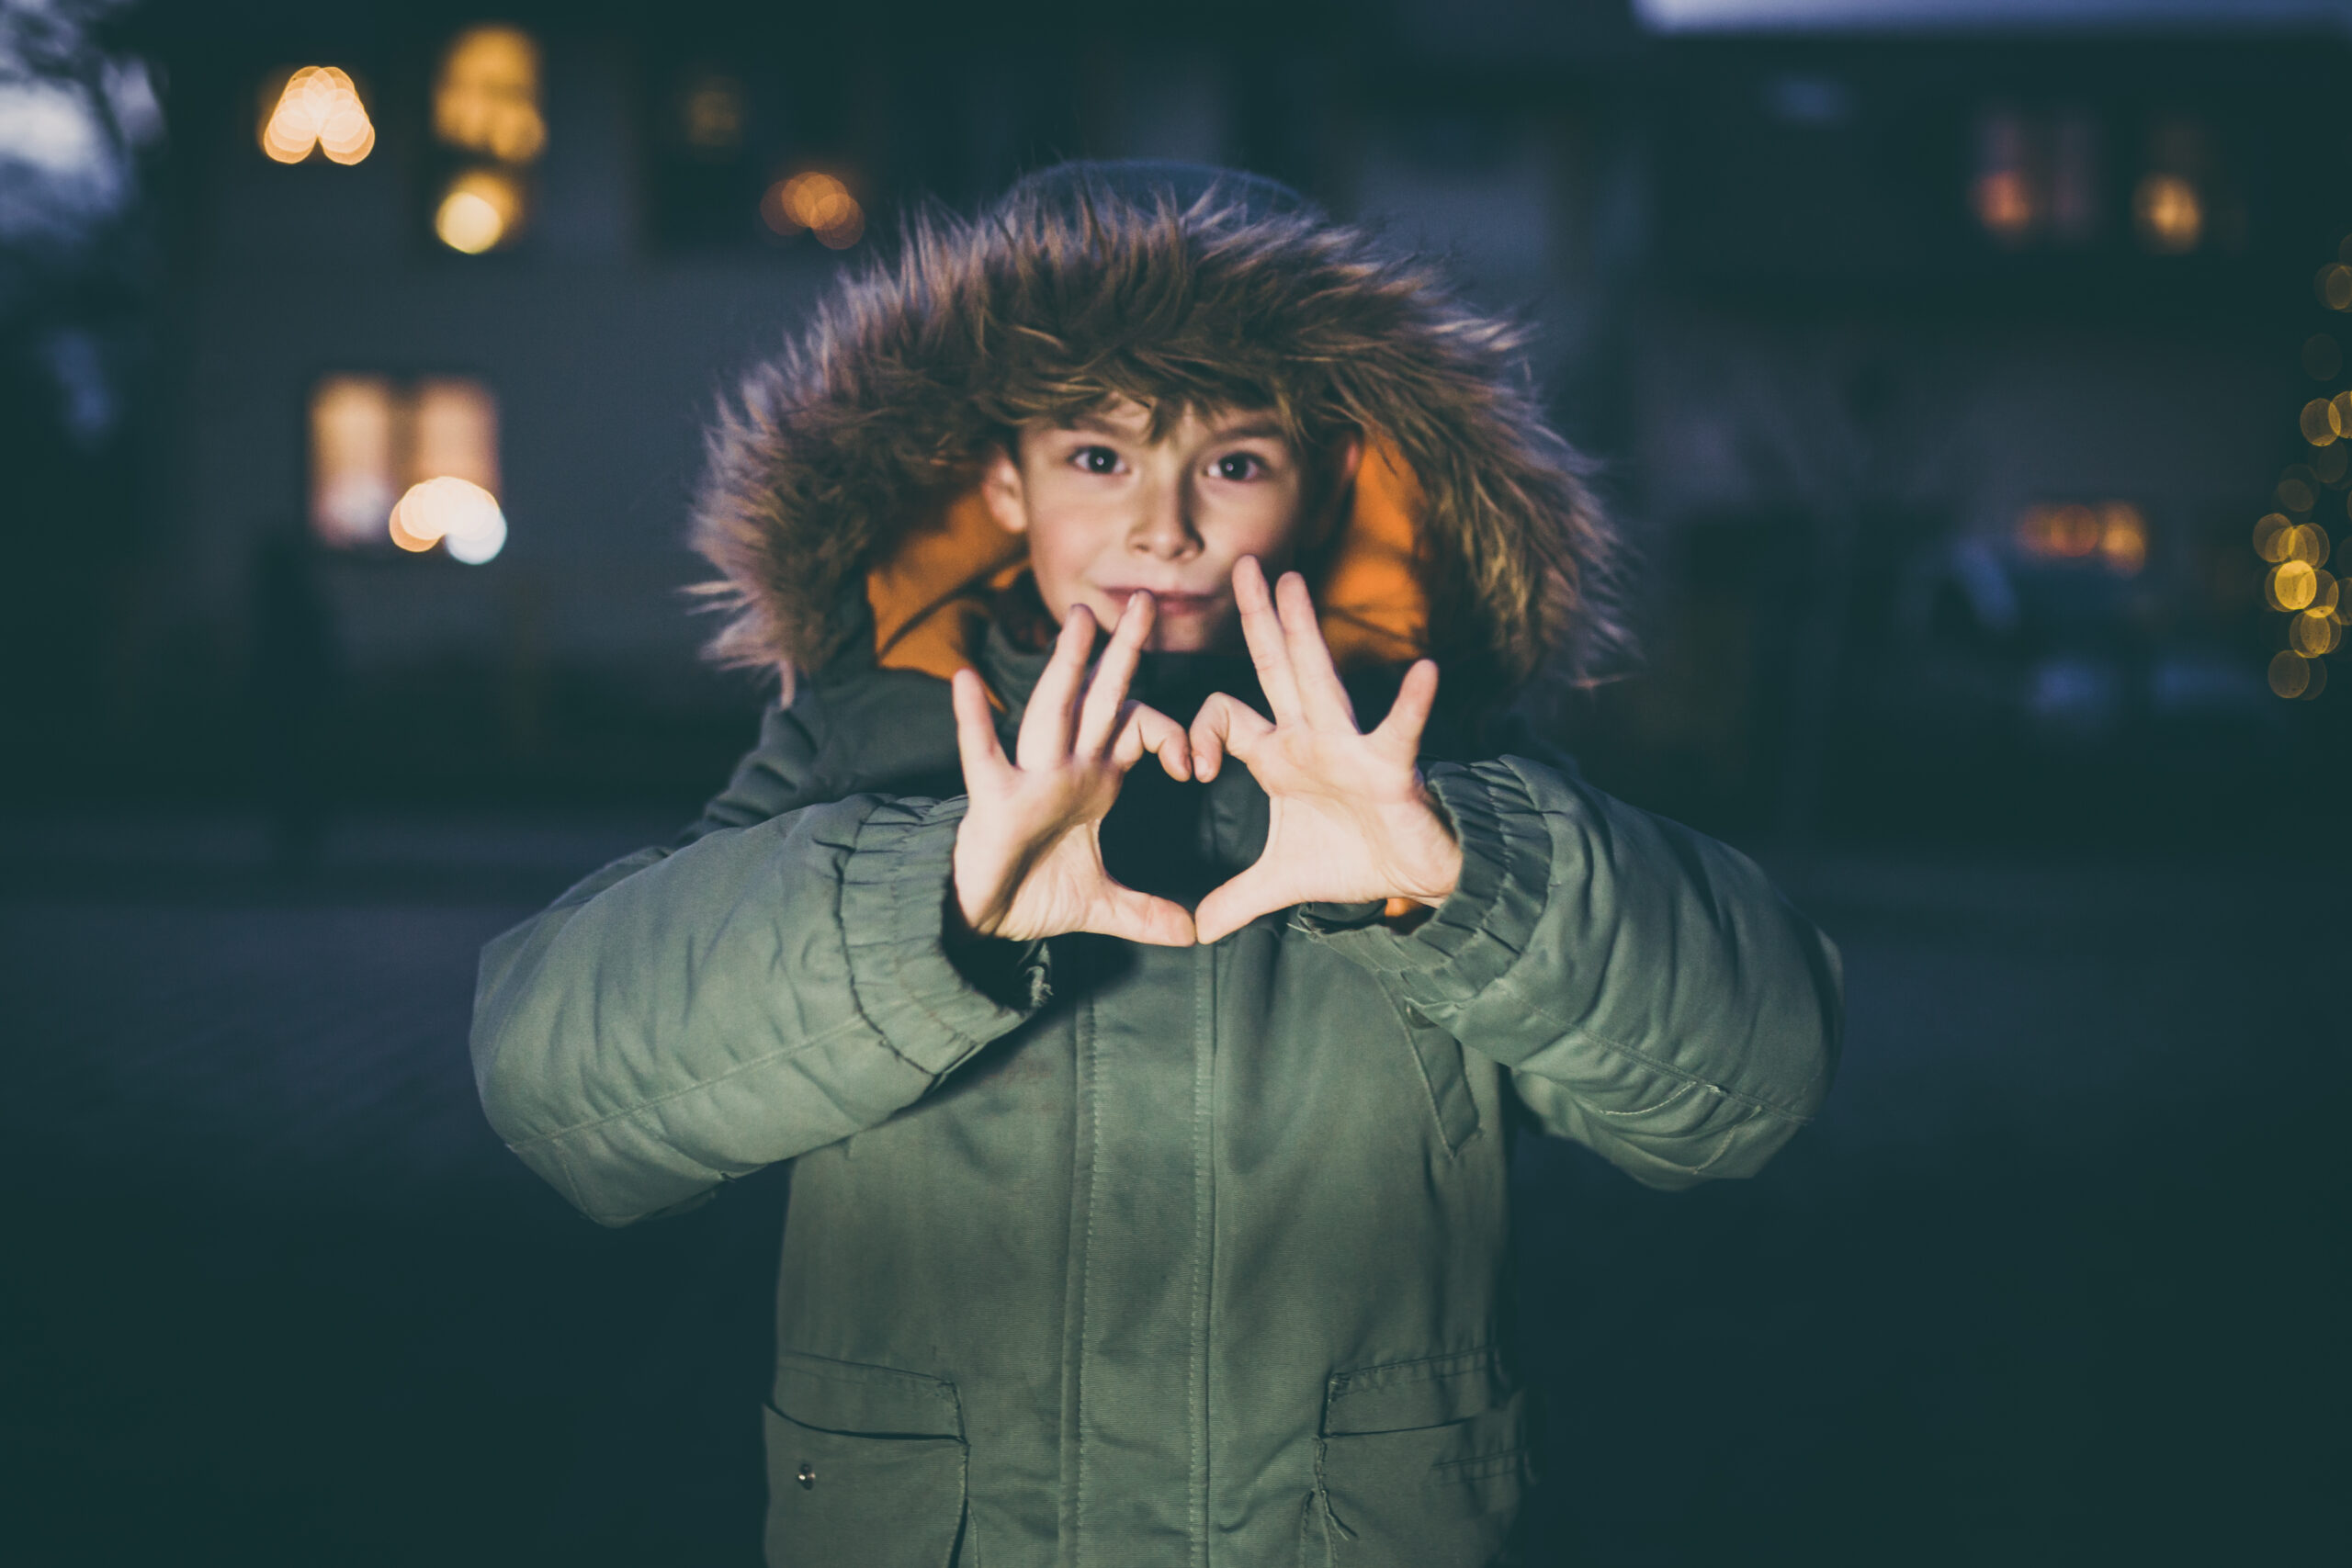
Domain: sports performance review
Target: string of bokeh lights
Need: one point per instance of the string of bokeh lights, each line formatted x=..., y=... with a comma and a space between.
x=2292, y=541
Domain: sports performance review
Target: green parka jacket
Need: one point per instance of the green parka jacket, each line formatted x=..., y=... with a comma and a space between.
x=1101, y=1254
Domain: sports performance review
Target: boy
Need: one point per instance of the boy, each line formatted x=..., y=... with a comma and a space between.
x=1149, y=1126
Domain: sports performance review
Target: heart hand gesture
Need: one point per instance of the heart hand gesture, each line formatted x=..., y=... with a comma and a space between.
x=1349, y=818
x=1028, y=859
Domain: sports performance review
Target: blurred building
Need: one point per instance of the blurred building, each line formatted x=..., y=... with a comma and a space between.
x=1942, y=375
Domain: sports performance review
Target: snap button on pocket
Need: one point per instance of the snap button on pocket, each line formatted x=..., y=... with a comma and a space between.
x=807, y=1476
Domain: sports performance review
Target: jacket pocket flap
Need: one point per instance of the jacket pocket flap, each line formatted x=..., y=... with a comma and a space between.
x=851, y=1396
x=1405, y=1394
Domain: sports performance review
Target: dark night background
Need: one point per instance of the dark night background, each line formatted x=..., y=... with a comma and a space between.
x=1960, y=368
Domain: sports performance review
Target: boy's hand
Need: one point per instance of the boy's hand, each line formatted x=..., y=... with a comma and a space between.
x=1029, y=852
x=1350, y=819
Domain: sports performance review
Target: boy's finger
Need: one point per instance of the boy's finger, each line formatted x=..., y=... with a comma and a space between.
x=1325, y=700
x=1138, y=917
x=1400, y=732
x=1234, y=905
x=976, y=741
x=1261, y=627
x=1044, y=740
x=1225, y=726
x=1142, y=729
x=1099, y=719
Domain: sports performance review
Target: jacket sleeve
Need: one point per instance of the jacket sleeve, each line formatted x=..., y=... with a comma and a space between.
x=1653, y=996
x=687, y=1016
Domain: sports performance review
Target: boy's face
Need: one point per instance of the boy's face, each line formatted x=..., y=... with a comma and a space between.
x=1109, y=511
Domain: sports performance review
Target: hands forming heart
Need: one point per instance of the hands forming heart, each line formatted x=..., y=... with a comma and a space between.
x=1349, y=818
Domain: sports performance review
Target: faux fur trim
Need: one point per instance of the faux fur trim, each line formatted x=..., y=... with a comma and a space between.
x=878, y=415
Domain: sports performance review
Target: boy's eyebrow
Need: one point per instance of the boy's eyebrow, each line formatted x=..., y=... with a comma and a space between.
x=1251, y=429
x=1096, y=423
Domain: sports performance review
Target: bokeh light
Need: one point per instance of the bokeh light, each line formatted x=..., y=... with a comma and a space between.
x=2334, y=285
x=2290, y=674
x=2314, y=635
x=2122, y=537
x=2318, y=422
x=486, y=98
x=2297, y=492
x=2004, y=204
x=2171, y=218
x=2271, y=541
x=817, y=202
x=456, y=513
x=479, y=212
x=319, y=109
x=2329, y=463
x=2290, y=585
x=710, y=113
x=2308, y=543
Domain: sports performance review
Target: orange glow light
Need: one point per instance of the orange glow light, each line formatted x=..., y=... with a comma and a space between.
x=2171, y=218
x=479, y=211
x=486, y=98
x=2004, y=203
x=2122, y=537
x=462, y=517
x=818, y=202
x=319, y=109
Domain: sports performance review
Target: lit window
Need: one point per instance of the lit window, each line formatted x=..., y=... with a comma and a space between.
x=487, y=96
x=711, y=112
x=2170, y=204
x=413, y=464
x=2008, y=195
x=2113, y=533
x=486, y=109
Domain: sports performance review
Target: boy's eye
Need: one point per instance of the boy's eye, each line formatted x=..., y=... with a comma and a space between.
x=1240, y=466
x=1095, y=460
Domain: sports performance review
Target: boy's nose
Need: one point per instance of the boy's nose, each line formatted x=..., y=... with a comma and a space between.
x=1164, y=529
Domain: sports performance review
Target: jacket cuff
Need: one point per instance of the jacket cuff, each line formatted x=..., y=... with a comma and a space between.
x=1486, y=923
x=894, y=902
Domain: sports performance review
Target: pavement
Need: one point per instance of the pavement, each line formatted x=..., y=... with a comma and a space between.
x=2055, y=1279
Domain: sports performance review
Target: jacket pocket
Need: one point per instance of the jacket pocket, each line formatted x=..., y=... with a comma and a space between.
x=1420, y=1464
x=866, y=1466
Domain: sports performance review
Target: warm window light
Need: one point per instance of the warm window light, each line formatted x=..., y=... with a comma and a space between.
x=710, y=113
x=818, y=202
x=2114, y=533
x=318, y=109
x=454, y=432
x=2171, y=218
x=354, y=456
x=2004, y=193
x=479, y=212
x=486, y=98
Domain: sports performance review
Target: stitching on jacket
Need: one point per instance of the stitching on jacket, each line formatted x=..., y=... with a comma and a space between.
x=639, y=1109
x=1578, y=1032
x=1652, y=1110
x=1086, y=1286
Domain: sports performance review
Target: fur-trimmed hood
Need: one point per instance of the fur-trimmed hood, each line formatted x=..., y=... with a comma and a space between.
x=853, y=456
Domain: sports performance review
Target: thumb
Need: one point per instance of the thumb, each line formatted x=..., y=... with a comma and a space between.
x=1138, y=917
x=1256, y=891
